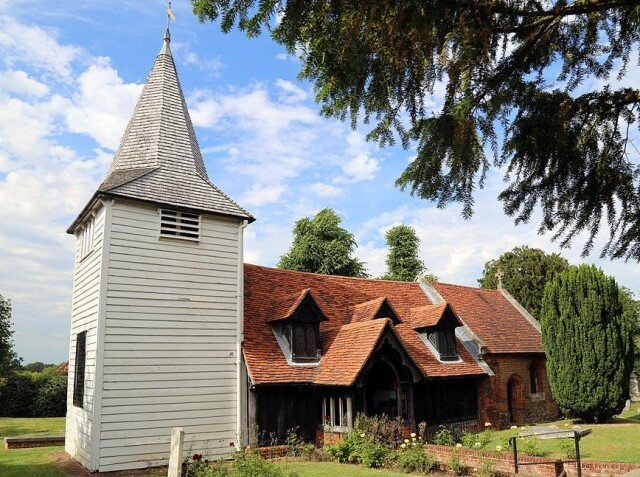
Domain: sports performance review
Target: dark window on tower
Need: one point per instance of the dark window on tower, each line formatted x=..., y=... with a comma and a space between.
x=444, y=341
x=78, y=375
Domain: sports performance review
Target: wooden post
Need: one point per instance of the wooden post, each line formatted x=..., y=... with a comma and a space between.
x=175, y=458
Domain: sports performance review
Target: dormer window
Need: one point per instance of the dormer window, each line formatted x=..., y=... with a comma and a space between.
x=303, y=341
x=444, y=342
x=180, y=225
x=295, y=321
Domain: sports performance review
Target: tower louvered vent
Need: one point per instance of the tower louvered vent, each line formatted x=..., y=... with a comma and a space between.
x=180, y=225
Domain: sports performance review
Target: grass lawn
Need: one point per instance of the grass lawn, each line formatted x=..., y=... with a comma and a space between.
x=322, y=469
x=617, y=441
x=43, y=426
x=35, y=462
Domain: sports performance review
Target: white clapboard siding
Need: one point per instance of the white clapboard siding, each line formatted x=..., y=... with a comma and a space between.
x=170, y=339
x=84, y=317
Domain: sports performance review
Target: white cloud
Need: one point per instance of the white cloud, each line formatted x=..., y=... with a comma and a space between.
x=19, y=82
x=290, y=93
x=326, y=190
x=22, y=43
x=360, y=166
x=262, y=194
x=102, y=104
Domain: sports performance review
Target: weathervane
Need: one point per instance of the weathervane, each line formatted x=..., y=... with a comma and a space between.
x=499, y=275
x=170, y=16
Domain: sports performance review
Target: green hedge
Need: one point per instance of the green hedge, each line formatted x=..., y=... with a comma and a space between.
x=29, y=394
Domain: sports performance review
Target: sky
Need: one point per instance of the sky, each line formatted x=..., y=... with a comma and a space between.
x=70, y=75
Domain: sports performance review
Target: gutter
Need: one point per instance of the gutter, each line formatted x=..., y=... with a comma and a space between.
x=241, y=414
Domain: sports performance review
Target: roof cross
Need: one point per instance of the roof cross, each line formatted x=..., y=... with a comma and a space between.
x=499, y=276
x=170, y=16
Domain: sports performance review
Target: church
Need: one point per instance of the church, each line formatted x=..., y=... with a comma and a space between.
x=170, y=328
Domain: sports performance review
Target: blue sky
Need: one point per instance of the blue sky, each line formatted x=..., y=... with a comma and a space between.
x=70, y=74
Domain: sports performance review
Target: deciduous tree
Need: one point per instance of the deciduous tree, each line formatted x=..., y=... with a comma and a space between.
x=525, y=272
x=588, y=342
x=320, y=245
x=8, y=358
x=532, y=81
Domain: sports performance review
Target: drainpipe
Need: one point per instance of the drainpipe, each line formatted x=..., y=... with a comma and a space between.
x=241, y=437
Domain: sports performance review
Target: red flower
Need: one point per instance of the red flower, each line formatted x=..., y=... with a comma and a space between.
x=197, y=457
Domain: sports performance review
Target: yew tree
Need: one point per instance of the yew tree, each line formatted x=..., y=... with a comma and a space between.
x=532, y=82
x=587, y=337
x=321, y=245
x=525, y=272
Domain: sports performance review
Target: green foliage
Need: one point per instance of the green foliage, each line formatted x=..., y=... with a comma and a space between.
x=568, y=447
x=518, y=65
x=9, y=360
x=27, y=394
x=403, y=263
x=476, y=440
x=487, y=468
x=51, y=398
x=456, y=466
x=39, y=367
x=413, y=458
x=531, y=446
x=320, y=245
x=631, y=307
x=588, y=342
x=444, y=437
x=526, y=272
x=359, y=448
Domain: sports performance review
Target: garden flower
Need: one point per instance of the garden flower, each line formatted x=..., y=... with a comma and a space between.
x=514, y=427
x=413, y=435
x=487, y=424
x=406, y=441
x=403, y=446
x=458, y=445
x=362, y=435
x=498, y=448
x=477, y=444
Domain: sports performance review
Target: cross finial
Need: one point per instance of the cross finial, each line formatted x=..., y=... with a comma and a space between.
x=499, y=276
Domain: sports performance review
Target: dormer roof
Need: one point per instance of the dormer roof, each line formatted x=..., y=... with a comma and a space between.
x=159, y=160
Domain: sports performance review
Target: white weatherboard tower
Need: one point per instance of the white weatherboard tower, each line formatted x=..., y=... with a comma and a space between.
x=156, y=322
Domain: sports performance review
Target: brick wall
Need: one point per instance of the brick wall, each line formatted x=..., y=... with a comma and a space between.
x=503, y=462
x=512, y=375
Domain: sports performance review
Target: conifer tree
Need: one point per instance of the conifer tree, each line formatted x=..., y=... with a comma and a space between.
x=403, y=262
x=588, y=342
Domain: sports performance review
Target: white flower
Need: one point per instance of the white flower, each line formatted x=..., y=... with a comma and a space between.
x=487, y=424
x=498, y=448
x=413, y=435
x=514, y=427
x=362, y=435
x=458, y=445
x=477, y=444
x=406, y=441
x=403, y=446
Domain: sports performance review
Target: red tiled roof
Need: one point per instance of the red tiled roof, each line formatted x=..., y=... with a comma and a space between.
x=349, y=352
x=285, y=307
x=369, y=310
x=497, y=323
x=337, y=297
x=425, y=316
